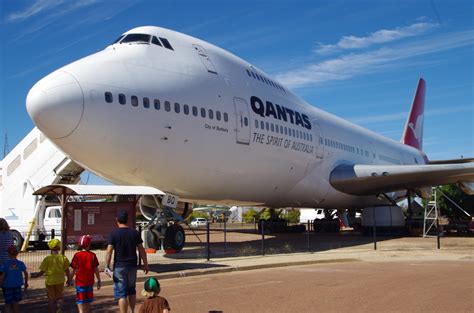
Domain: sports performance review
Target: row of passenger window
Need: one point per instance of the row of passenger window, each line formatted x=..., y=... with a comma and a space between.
x=345, y=147
x=263, y=79
x=176, y=107
x=283, y=130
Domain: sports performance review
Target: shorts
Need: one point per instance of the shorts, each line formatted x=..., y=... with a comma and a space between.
x=125, y=279
x=55, y=292
x=84, y=294
x=12, y=294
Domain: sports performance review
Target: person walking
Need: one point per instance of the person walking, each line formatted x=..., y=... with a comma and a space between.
x=15, y=276
x=153, y=302
x=54, y=266
x=124, y=242
x=85, y=265
x=6, y=240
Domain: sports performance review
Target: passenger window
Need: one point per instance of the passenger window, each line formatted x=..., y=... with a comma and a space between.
x=122, y=98
x=155, y=41
x=218, y=115
x=267, y=125
x=277, y=129
x=186, y=109
x=248, y=73
x=286, y=131
x=226, y=117
x=157, y=104
x=253, y=75
x=256, y=124
x=167, y=106
x=281, y=129
x=176, y=107
x=166, y=43
x=135, y=101
x=203, y=112
x=146, y=102
x=211, y=114
x=262, y=125
x=108, y=97
x=272, y=127
x=195, y=111
x=246, y=121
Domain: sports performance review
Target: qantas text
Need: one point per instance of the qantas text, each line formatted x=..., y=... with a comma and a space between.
x=279, y=112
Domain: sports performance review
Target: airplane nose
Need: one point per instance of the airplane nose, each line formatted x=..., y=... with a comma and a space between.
x=56, y=104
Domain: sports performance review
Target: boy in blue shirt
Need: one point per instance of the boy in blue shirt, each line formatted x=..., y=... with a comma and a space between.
x=13, y=271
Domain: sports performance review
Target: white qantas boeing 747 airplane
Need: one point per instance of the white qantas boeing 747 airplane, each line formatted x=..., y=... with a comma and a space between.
x=163, y=109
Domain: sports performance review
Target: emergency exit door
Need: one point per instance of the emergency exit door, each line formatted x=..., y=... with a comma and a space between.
x=242, y=119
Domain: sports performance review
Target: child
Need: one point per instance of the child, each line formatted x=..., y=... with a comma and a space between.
x=54, y=266
x=85, y=265
x=13, y=280
x=153, y=302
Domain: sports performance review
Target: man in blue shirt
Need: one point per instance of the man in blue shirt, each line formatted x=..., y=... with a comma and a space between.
x=125, y=241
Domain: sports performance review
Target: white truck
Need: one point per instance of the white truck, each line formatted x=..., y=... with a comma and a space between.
x=33, y=163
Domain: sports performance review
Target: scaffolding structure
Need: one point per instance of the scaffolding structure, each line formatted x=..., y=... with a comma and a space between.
x=430, y=220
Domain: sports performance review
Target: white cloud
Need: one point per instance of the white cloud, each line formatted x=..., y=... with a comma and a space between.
x=34, y=9
x=350, y=65
x=47, y=5
x=378, y=37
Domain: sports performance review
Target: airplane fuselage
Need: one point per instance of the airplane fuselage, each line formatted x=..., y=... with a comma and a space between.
x=199, y=122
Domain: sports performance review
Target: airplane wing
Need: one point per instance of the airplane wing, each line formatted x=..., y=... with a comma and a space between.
x=374, y=179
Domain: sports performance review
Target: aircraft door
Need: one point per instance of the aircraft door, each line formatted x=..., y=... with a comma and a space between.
x=242, y=118
x=318, y=141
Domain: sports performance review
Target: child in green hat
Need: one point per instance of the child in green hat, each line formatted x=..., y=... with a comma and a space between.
x=153, y=302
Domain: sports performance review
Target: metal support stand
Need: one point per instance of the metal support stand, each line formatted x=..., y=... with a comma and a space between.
x=263, y=237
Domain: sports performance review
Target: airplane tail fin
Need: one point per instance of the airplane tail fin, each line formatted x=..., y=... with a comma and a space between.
x=413, y=133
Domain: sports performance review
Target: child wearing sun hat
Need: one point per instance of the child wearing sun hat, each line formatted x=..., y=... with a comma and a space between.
x=54, y=266
x=153, y=302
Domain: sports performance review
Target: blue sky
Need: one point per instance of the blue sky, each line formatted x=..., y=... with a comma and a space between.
x=360, y=60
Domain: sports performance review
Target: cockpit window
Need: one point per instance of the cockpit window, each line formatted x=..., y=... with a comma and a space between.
x=155, y=41
x=166, y=43
x=118, y=39
x=138, y=38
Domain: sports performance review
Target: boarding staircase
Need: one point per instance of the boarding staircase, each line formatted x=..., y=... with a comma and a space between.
x=35, y=162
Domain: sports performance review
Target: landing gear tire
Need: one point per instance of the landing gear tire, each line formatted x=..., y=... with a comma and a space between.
x=17, y=239
x=175, y=237
x=152, y=240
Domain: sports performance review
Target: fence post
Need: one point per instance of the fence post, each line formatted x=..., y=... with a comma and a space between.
x=225, y=234
x=438, y=233
x=52, y=233
x=309, y=245
x=375, y=231
x=208, y=242
x=263, y=236
x=140, y=232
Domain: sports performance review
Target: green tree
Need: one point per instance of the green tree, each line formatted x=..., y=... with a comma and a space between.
x=293, y=216
x=249, y=215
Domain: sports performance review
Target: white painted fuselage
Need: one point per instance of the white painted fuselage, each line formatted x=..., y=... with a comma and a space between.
x=252, y=140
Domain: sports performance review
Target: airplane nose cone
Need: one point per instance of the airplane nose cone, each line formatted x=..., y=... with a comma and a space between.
x=56, y=104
